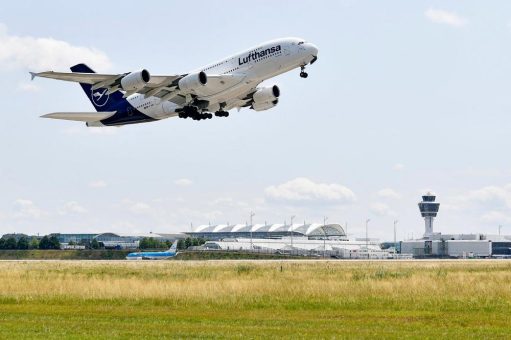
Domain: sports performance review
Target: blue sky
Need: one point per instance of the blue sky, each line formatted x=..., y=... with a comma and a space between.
x=406, y=96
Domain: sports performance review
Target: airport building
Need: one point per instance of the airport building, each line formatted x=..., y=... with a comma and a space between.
x=269, y=231
x=114, y=240
x=436, y=244
x=329, y=240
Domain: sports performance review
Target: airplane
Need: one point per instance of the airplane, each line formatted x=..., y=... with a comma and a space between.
x=231, y=83
x=154, y=255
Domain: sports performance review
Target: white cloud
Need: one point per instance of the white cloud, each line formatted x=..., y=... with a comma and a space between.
x=388, y=193
x=444, y=17
x=28, y=87
x=381, y=209
x=27, y=209
x=139, y=207
x=183, y=182
x=398, y=167
x=304, y=189
x=496, y=217
x=492, y=203
x=97, y=184
x=72, y=207
x=490, y=197
x=39, y=54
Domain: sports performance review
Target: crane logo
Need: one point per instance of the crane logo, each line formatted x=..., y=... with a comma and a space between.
x=100, y=97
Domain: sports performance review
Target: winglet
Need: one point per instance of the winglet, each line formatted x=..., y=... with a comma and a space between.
x=32, y=75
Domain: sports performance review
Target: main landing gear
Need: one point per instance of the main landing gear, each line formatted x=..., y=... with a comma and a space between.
x=193, y=112
x=222, y=114
x=303, y=74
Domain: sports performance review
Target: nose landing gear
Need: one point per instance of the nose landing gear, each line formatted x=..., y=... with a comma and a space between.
x=303, y=74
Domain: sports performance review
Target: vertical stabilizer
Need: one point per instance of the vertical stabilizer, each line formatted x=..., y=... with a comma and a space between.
x=100, y=98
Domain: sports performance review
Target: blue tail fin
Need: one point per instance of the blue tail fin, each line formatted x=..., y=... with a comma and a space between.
x=173, y=248
x=101, y=100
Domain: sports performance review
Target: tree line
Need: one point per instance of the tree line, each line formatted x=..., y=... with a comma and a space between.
x=23, y=242
x=152, y=243
x=10, y=242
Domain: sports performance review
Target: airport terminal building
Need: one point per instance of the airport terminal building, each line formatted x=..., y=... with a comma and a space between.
x=329, y=240
x=436, y=244
x=268, y=231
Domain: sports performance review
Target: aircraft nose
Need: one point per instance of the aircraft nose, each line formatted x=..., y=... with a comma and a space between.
x=313, y=49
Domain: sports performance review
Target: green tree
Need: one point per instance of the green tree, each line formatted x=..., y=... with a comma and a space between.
x=181, y=244
x=22, y=243
x=143, y=244
x=94, y=244
x=152, y=243
x=54, y=241
x=11, y=243
x=2, y=243
x=44, y=243
x=34, y=243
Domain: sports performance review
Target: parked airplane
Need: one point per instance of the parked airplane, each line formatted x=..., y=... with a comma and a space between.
x=138, y=97
x=154, y=255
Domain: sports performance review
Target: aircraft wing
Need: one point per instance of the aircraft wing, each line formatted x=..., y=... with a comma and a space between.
x=86, y=78
x=109, y=81
x=242, y=100
x=98, y=79
x=164, y=87
x=80, y=116
x=216, y=83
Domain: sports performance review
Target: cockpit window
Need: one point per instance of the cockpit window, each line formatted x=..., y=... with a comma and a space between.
x=301, y=43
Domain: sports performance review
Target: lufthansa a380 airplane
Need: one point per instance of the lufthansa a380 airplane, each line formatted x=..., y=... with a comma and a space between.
x=138, y=97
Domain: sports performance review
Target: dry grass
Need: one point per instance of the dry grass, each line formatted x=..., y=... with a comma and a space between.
x=472, y=291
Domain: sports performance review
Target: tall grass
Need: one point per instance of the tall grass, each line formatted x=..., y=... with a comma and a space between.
x=271, y=283
x=311, y=299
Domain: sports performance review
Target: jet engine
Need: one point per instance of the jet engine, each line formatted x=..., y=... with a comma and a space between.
x=264, y=106
x=135, y=81
x=266, y=95
x=192, y=81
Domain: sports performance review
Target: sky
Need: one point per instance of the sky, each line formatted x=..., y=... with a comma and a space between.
x=406, y=97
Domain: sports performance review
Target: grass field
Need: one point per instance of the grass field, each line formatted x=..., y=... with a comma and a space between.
x=266, y=299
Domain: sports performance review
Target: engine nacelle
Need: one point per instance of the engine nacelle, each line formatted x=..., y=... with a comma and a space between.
x=264, y=106
x=135, y=81
x=266, y=95
x=193, y=81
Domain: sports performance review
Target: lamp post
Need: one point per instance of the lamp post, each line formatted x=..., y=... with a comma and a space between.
x=367, y=237
x=395, y=244
x=324, y=237
x=291, y=230
x=251, y=242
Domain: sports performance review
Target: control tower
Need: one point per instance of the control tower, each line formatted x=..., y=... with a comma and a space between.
x=429, y=210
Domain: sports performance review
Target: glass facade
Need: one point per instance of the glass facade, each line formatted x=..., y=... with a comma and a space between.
x=76, y=238
x=429, y=209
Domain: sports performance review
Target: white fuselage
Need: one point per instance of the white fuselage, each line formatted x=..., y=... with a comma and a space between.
x=247, y=68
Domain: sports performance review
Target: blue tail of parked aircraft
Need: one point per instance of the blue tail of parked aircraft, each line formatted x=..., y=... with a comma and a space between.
x=100, y=98
x=173, y=248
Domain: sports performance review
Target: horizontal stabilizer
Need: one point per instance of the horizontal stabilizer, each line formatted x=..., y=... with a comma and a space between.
x=80, y=116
